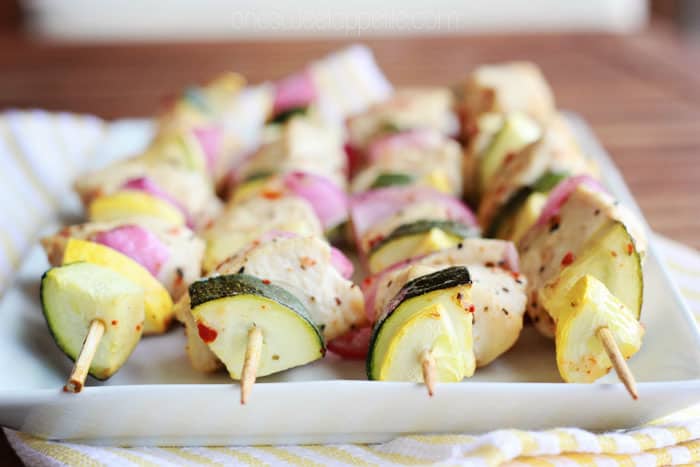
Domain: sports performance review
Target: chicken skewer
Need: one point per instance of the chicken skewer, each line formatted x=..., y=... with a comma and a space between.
x=171, y=184
x=286, y=207
x=519, y=149
x=111, y=283
x=416, y=240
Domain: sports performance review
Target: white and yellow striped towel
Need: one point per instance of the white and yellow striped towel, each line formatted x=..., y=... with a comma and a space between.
x=41, y=152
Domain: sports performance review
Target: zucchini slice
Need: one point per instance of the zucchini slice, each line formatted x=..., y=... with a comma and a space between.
x=417, y=239
x=518, y=131
x=581, y=357
x=74, y=295
x=428, y=313
x=159, y=308
x=610, y=257
x=288, y=114
x=523, y=208
x=226, y=307
x=384, y=180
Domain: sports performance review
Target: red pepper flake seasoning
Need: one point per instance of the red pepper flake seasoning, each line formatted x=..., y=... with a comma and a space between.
x=114, y=322
x=138, y=327
x=472, y=308
x=179, y=276
x=338, y=302
x=567, y=259
x=554, y=223
x=630, y=249
x=490, y=264
x=307, y=262
x=266, y=281
x=613, y=253
x=374, y=241
x=509, y=158
x=206, y=333
x=271, y=194
x=367, y=281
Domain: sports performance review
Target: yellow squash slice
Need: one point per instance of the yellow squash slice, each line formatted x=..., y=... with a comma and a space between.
x=158, y=304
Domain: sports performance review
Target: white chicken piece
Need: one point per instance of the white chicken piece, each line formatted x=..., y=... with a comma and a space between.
x=241, y=223
x=302, y=266
x=497, y=301
x=407, y=108
x=507, y=87
x=185, y=249
x=192, y=190
x=544, y=248
x=304, y=145
x=436, y=161
x=557, y=152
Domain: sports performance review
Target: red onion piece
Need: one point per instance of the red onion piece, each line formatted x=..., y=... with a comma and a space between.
x=137, y=243
x=298, y=90
x=329, y=202
x=211, y=140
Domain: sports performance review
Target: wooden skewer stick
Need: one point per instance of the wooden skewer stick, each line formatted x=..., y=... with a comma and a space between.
x=429, y=371
x=618, y=361
x=76, y=380
x=251, y=362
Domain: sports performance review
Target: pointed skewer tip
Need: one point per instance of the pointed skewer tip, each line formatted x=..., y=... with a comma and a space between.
x=618, y=361
x=76, y=380
x=429, y=371
x=251, y=362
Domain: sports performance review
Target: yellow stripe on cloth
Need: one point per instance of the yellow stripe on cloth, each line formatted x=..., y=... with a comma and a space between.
x=58, y=452
x=338, y=454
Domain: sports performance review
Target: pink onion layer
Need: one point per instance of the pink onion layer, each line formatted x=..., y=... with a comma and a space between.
x=137, y=243
x=369, y=287
x=370, y=207
x=328, y=201
x=294, y=91
x=150, y=187
x=353, y=345
x=341, y=263
x=414, y=139
x=211, y=139
x=355, y=158
x=560, y=194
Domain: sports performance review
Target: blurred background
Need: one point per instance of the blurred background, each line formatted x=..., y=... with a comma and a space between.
x=185, y=19
x=631, y=68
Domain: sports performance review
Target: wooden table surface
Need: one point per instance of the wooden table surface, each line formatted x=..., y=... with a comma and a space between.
x=641, y=93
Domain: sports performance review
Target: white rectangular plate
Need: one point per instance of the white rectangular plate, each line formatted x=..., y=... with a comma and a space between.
x=158, y=399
